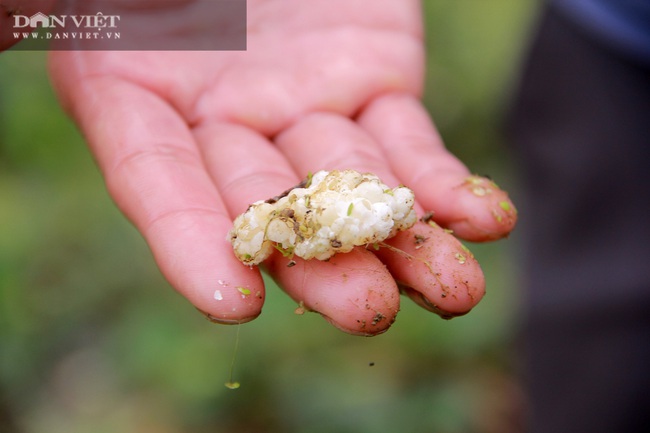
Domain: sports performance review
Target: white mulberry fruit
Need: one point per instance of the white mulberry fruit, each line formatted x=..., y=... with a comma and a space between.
x=330, y=212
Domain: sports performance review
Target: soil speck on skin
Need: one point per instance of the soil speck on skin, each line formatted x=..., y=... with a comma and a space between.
x=427, y=217
x=378, y=318
x=479, y=186
x=300, y=310
x=419, y=241
x=479, y=191
x=497, y=216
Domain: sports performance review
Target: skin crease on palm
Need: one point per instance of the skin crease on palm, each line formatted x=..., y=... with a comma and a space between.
x=187, y=140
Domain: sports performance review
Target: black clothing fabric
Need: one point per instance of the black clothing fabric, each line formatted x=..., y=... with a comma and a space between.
x=580, y=128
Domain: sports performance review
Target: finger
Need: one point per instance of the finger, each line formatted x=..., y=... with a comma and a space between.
x=246, y=168
x=326, y=141
x=352, y=291
x=155, y=175
x=426, y=259
x=434, y=269
x=474, y=208
x=243, y=164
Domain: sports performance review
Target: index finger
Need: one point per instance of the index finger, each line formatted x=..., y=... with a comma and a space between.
x=154, y=172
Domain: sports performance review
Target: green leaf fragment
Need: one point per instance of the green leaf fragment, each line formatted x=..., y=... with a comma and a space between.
x=286, y=252
x=505, y=206
x=467, y=250
x=310, y=176
x=350, y=209
x=232, y=385
x=244, y=291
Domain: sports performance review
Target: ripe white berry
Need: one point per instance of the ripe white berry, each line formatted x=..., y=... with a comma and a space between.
x=329, y=213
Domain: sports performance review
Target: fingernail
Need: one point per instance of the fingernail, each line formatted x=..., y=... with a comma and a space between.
x=222, y=321
x=426, y=303
x=362, y=331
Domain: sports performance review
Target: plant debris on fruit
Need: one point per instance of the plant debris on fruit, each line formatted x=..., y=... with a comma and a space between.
x=330, y=212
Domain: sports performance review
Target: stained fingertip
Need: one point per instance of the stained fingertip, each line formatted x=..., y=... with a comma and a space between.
x=233, y=302
x=193, y=253
x=487, y=211
x=362, y=330
x=230, y=303
x=421, y=300
x=435, y=270
x=473, y=206
x=352, y=291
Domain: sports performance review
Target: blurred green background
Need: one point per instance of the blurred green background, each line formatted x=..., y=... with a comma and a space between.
x=92, y=339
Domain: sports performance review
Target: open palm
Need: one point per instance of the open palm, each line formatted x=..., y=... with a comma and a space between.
x=187, y=140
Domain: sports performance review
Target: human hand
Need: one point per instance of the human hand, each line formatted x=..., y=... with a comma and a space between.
x=187, y=140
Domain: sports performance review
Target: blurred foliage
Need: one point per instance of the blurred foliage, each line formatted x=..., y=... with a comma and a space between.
x=92, y=339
